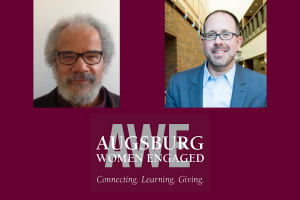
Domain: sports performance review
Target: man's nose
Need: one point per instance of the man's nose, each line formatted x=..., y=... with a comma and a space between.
x=218, y=40
x=80, y=66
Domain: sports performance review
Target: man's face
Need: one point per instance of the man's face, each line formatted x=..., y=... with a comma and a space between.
x=220, y=53
x=79, y=83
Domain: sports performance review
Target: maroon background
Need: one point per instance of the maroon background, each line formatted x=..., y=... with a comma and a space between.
x=198, y=126
x=45, y=152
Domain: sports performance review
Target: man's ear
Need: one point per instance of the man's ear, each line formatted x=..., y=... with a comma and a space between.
x=202, y=41
x=104, y=63
x=239, y=42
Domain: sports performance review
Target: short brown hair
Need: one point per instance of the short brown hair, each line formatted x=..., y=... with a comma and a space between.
x=229, y=13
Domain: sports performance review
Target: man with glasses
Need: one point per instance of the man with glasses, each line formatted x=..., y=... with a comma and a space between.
x=79, y=49
x=220, y=81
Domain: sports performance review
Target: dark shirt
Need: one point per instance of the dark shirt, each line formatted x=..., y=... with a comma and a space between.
x=54, y=99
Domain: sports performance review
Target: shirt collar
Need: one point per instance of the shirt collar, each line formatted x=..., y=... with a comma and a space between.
x=229, y=75
x=206, y=75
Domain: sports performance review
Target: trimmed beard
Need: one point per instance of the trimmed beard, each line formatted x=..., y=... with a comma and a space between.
x=78, y=94
x=219, y=63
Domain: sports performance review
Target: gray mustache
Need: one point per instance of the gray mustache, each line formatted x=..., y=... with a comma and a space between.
x=81, y=76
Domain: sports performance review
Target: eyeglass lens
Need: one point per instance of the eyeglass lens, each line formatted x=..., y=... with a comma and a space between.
x=213, y=36
x=90, y=58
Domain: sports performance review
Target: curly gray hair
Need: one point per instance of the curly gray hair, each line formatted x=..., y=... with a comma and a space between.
x=80, y=19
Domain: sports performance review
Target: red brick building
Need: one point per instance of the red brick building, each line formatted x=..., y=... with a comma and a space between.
x=183, y=48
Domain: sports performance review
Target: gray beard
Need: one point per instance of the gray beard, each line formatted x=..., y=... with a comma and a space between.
x=75, y=94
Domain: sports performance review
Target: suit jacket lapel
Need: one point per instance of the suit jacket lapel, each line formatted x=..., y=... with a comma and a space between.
x=239, y=92
x=196, y=89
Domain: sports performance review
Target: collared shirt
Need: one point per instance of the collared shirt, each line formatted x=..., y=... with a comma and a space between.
x=217, y=92
x=63, y=103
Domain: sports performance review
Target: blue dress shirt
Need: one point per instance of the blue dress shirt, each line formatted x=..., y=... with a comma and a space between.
x=218, y=92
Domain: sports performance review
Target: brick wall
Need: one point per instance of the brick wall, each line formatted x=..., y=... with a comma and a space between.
x=170, y=57
x=183, y=49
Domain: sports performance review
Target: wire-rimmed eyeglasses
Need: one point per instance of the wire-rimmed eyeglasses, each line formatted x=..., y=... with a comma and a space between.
x=223, y=36
x=70, y=58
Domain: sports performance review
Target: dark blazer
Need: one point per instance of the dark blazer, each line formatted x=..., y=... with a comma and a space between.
x=50, y=100
x=185, y=89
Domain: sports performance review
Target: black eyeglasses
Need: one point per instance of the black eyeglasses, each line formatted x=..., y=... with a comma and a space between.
x=223, y=36
x=70, y=58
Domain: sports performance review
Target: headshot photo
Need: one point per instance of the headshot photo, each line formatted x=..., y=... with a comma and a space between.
x=77, y=53
x=215, y=54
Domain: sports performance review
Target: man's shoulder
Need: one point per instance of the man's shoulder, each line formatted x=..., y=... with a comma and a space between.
x=112, y=99
x=38, y=102
x=187, y=76
x=47, y=100
x=188, y=73
x=253, y=75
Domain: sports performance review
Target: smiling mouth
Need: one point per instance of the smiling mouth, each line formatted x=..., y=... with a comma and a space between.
x=219, y=52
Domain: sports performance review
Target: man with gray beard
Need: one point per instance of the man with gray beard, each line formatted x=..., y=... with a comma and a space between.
x=79, y=50
x=220, y=81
